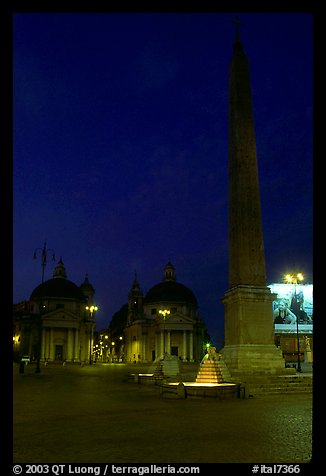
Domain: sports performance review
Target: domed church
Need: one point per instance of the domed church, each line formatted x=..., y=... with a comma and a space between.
x=55, y=324
x=165, y=320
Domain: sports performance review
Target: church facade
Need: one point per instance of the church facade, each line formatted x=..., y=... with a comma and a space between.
x=57, y=323
x=165, y=320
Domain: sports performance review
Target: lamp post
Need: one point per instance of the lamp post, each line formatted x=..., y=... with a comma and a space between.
x=44, y=254
x=92, y=310
x=121, y=349
x=164, y=313
x=106, y=337
x=293, y=279
x=101, y=348
x=112, y=351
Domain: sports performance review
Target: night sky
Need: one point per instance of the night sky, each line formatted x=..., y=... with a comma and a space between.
x=121, y=149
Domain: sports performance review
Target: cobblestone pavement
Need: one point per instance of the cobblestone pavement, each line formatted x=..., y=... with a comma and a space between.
x=93, y=414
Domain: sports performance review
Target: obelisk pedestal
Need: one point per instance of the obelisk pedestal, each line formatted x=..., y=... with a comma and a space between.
x=249, y=337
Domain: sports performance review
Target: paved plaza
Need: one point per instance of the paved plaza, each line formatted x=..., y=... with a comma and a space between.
x=94, y=414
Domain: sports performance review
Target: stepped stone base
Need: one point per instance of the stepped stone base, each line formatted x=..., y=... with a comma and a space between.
x=275, y=385
x=166, y=367
x=213, y=369
x=253, y=359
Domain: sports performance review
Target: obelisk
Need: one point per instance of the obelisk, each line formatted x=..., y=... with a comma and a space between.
x=249, y=337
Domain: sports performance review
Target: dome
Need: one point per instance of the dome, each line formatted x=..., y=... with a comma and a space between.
x=58, y=288
x=170, y=291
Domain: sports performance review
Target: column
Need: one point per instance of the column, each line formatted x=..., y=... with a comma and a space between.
x=191, y=347
x=70, y=346
x=143, y=350
x=48, y=344
x=51, y=346
x=156, y=346
x=43, y=344
x=162, y=343
x=168, y=344
x=184, y=347
x=77, y=356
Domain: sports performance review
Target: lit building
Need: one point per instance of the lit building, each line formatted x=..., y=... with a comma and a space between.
x=60, y=312
x=165, y=320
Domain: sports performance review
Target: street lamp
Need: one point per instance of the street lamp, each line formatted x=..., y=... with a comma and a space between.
x=121, y=349
x=293, y=279
x=164, y=313
x=44, y=254
x=106, y=337
x=92, y=310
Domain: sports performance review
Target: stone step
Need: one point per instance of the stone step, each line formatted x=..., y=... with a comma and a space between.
x=209, y=371
x=277, y=391
x=165, y=368
x=279, y=386
x=275, y=385
x=212, y=371
x=211, y=368
x=209, y=376
x=208, y=380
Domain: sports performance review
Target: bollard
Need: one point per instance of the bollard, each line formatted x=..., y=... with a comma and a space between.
x=181, y=391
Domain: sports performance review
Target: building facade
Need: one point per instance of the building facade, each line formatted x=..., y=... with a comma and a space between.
x=57, y=323
x=165, y=320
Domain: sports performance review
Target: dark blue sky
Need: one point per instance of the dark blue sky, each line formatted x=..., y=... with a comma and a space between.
x=120, y=148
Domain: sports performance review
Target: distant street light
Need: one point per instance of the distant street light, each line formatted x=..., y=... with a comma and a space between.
x=293, y=279
x=44, y=254
x=92, y=310
x=106, y=337
x=164, y=313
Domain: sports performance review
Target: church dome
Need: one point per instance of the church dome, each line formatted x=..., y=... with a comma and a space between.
x=170, y=291
x=58, y=287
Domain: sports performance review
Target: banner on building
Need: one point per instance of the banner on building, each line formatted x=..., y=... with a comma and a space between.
x=292, y=303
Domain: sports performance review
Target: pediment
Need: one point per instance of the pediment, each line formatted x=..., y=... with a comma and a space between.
x=58, y=315
x=179, y=318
